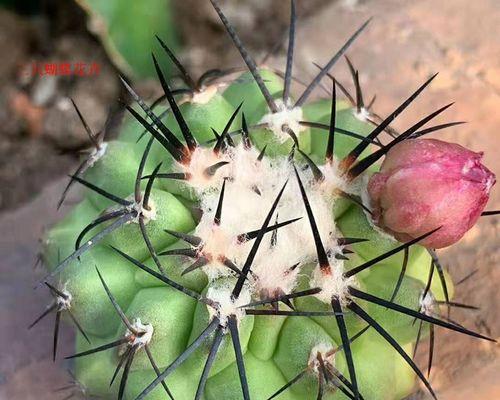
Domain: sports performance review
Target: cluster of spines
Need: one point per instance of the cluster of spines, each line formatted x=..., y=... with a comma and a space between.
x=135, y=210
x=74, y=389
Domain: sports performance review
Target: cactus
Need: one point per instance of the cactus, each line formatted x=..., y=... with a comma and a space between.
x=125, y=27
x=225, y=247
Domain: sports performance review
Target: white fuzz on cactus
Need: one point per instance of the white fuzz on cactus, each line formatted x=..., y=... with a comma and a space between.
x=225, y=304
x=333, y=284
x=140, y=335
x=205, y=95
x=97, y=153
x=324, y=352
x=64, y=301
x=287, y=117
x=243, y=210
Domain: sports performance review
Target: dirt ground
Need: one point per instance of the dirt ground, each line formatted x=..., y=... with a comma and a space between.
x=405, y=43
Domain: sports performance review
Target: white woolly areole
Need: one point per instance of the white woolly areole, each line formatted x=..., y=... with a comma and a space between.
x=333, y=284
x=149, y=214
x=201, y=158
x=427, y=303
x=272, y=277
x=325, y=349
x=333, y=180
x=145, y=333
x=221, y=295
x=363, y=114
x=97, y=153
x=205, y=95
x=64, y=303
x=285, y=116
x=216, y=242
x=244, y=210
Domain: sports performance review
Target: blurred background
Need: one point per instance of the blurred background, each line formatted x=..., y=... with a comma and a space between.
x=56, y=49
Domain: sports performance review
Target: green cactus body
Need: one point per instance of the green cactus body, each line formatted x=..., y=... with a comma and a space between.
x=276, y=348
x=111, y=21
x=242, y=254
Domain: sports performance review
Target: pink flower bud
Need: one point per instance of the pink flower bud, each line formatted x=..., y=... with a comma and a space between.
x=424, y=184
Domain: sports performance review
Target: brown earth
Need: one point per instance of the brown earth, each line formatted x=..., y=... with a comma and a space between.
x=406, y=42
